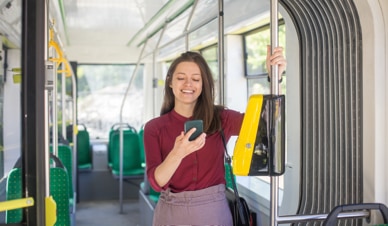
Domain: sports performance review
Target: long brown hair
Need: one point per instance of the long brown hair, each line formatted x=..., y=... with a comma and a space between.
x=205, y=108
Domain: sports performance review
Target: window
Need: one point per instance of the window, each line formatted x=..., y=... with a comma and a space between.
x=101, y=90
x=211, y=57
x=255, y=47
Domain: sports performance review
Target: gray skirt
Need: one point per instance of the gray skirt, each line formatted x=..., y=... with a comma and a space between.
x=208, y=206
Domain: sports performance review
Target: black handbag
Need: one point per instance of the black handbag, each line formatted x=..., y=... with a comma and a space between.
x=240, y=211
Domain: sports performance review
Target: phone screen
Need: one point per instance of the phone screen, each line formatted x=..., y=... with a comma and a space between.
x=198, y=124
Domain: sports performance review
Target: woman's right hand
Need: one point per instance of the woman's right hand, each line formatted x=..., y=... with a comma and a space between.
x=184, y=147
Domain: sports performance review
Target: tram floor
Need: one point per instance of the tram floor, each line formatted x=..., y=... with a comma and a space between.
x=104, y=213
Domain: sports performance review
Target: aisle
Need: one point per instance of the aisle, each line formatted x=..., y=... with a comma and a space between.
x=107, y=213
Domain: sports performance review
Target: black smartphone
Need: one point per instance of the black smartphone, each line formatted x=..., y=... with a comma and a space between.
x=198, y=124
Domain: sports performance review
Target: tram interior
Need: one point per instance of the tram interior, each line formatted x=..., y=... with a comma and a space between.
x=110, y=59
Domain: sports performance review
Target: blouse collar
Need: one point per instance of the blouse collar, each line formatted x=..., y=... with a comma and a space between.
x=179, y=117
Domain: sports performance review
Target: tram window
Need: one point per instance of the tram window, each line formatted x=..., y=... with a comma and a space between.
x=211, y=57
x=255, y=47
x=260, y=85
x=101, y=90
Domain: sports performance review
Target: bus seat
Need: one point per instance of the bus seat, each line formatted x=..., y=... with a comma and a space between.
x=58, y=189
x=66, y=157
x=142, y=154
x=132, y=165
x=332, y=217
x=84, y=159
x=149, y=191
x=60, y=192
x=114, y=129
x=14, y=191
x=60, y=185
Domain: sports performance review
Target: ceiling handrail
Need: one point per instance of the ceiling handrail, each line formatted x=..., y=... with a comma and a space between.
x=156, y=16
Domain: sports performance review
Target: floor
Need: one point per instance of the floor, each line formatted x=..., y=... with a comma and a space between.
x=108, y=213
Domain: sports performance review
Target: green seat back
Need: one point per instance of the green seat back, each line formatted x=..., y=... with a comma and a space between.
x=84, y=159
x=14, y=191
x=141, y=142
x=132, y=164
x=59, y=189
x=66, y=156
x=110, y=150
x=149, y=191
x=113, y=130
x=154, y=195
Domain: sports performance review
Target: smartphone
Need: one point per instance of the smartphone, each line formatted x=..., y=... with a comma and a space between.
x=198, y=124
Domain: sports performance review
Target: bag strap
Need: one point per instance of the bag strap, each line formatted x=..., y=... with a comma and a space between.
x=228, y=160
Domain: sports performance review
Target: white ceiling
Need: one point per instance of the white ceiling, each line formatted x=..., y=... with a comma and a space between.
x=98, y=31
x=94, y=31
x=111, y=31
x=104, y=31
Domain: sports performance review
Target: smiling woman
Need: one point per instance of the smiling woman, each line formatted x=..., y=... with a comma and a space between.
x=189, y=94
x=171, y=154
x=334, y=88
x=186, y=84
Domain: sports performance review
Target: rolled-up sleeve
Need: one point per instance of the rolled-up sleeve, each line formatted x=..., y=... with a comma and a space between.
x=231, y=122
x=153, y=154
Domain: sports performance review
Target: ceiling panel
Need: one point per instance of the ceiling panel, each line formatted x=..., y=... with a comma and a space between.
x=10, y=22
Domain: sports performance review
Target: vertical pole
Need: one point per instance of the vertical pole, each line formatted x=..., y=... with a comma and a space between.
x=154, y=73
x=63, y=100
x=46, y=144
x=121, y=128
x=34, y=48
x=75, y=144
x=274, y=24
x=221, y=51
x=274, y=202
x=54, y=107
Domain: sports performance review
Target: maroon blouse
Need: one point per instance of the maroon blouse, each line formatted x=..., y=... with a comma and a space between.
x=201, y=169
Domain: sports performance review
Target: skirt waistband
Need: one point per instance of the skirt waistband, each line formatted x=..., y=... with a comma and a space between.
x=210, y=194
x=196, y=193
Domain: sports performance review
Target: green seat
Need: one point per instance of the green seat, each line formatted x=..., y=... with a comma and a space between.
x=66, y=157
x=149, y=192
x=154, y=195
x=58, y=189
x=116, y=129
x=142, y=153
x=84, y=159
x=132, y=165
x=14, y=191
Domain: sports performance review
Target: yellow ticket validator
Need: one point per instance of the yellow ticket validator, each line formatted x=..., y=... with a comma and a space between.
x=259, y=148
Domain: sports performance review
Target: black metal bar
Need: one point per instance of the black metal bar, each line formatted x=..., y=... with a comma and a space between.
x=33, y=129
